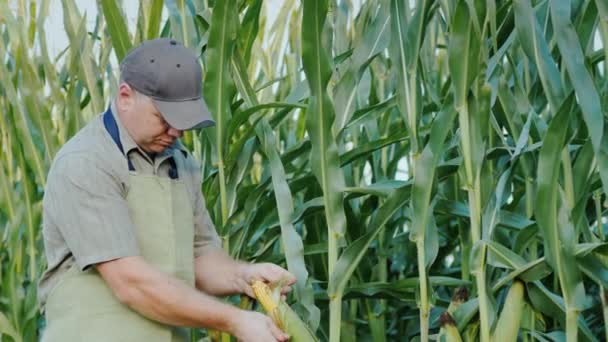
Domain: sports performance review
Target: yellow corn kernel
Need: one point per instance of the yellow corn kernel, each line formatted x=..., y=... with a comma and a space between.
x=282, y=315
x=265, y=297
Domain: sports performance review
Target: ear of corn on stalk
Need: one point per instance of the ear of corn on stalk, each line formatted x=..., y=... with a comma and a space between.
x=449, y=331
x=282, y=315
x=507, y=327
x=460, y=296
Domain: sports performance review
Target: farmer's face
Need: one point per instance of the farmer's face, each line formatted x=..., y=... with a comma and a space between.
x=144, y=122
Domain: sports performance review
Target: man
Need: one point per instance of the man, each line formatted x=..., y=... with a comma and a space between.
x=132, y=252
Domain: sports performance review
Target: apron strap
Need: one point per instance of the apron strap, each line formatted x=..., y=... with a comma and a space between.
x=112, y=128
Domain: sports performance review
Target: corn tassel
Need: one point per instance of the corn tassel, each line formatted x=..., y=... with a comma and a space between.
x=507, y=327
x=449, y=331
x=282, y=315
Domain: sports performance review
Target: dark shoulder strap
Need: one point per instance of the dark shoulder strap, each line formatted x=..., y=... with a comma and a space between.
x=112, y=128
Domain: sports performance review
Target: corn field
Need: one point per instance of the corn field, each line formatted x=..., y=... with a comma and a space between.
x=428, y=169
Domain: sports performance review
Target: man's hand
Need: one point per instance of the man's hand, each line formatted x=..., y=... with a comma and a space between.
x=218, y=274
x=266, y=272
x=250, y=326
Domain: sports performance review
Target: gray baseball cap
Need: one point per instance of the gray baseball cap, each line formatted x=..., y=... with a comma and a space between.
x=170, y=74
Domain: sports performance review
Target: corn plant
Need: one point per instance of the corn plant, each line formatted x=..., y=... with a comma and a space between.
x=431, y=169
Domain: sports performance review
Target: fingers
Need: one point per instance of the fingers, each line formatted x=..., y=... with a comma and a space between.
x=249, y=292
x=272, y=274
x=285, y=290
x=276, y=332
x=291, y=277
x=282, y=274
x=275, y=273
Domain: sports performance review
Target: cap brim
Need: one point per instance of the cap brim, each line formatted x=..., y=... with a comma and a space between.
x=185, y=115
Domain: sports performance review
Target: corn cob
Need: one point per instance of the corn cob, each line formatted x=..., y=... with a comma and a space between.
x=507, y=327
x=282, y=315
x=448, y=332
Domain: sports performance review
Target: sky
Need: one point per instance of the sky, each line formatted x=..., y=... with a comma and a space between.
x=57, y=37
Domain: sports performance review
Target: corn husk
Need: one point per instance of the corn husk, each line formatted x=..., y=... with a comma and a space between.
x=449, y=331
x=507, y=327
x=282, y=315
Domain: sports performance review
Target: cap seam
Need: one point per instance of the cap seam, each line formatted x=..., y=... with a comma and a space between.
x=161, y=99
x=176, y=100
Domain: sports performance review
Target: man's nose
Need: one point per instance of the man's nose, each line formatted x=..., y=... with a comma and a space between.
x=174, y=132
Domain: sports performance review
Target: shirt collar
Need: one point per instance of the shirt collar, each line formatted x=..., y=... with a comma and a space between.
x=129, y=144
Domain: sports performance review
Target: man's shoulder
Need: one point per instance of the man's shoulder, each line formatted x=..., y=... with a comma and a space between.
x=89, y=139
x=91, y=148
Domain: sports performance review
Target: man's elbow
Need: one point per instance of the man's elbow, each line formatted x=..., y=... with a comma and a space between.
x=122, y=278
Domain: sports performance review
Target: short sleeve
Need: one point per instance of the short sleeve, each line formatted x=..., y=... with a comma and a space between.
x=85, y=202
x=205, y=234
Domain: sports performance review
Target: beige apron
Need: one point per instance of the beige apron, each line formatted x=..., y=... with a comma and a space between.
x=81, y=307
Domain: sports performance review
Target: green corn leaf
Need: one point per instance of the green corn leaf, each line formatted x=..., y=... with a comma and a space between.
x=218, y=88
x=594, y=269
x=364, y=114
x=21, y=129
x=6, y=328
x=570, y=48
x=363, y=150
x=181, y=19
x=584, y=87
x=374, y=40
x=557, y=230
x=320, y=116
x=552, y=305
x=465, y=313
x=248, y=30
x=463, y=54
x=324, y=154
x=399, y=288
x=532, y=271
x=117, y=28
x=424, y=176
x=404, y=46
x=154, y=18
x=75, y=25
x=380, y=188
x=243, y=116
x=218, y=83
x=506, y=218
x=491, y=215
x=537, y=49
x=352, y=255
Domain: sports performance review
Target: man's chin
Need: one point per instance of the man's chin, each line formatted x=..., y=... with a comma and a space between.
x=160, y=148
x=155, y=148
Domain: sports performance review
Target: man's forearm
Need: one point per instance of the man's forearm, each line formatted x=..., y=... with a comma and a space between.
x=163, y=298
x=172, y=302
x=219, y=274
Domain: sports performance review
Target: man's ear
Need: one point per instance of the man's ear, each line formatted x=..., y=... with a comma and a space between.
x=125, y=98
